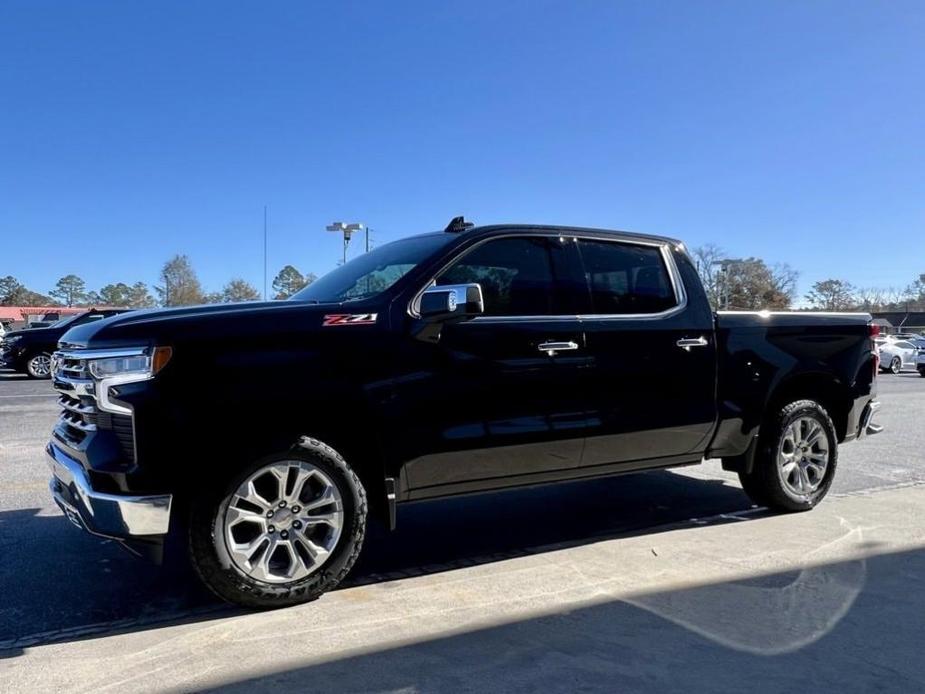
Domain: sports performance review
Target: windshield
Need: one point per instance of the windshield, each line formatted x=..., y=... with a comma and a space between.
x=67, y=320
x=371, y=273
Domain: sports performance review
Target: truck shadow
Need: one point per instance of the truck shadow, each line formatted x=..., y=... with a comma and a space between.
x=839, y=625
x=60, y=584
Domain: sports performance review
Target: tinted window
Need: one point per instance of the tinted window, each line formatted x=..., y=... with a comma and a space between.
x=516, y=275
x=626, y=279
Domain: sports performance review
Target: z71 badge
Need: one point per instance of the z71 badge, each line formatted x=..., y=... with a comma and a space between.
x=349, y=319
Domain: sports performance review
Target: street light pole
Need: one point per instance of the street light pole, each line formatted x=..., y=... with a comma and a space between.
x=347, y=230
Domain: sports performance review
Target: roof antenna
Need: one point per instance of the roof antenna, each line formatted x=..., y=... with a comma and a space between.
x=458, y=224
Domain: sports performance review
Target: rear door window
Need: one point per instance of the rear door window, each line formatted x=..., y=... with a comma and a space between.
x=626, y=278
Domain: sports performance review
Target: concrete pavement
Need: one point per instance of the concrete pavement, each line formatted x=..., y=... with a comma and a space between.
x=830, y=600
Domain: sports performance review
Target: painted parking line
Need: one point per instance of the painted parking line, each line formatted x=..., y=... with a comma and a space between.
x=38, y=395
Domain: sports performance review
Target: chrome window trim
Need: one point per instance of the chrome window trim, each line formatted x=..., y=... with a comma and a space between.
x=680, y=294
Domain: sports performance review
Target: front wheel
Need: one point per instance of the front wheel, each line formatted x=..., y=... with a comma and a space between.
x=896, y=365
x=39, y=365
x=795, y=463
x=283, y=532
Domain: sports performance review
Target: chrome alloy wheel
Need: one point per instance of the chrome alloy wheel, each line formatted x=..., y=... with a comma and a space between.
x=40, y=365
x=803, y=457
x=282, y=522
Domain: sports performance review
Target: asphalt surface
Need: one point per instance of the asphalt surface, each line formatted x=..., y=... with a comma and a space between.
x=59, y=584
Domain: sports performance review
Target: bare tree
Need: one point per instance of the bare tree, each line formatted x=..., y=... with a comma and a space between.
x=870, y=298
x=749, y=284
x=706, y=259
x=831, y=295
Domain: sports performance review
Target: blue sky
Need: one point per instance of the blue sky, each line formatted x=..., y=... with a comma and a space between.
x=793, y=131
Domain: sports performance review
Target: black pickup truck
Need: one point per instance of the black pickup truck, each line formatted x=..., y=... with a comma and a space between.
x=473, y=359
x=29, y=350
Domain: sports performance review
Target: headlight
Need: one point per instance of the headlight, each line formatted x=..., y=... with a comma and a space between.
x=121, y=366
x=135, y=365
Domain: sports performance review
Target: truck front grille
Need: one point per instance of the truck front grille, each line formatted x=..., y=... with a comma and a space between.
x=80, y=415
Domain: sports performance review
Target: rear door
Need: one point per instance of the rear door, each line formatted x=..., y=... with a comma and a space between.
x=652, y=372
x=497, y=396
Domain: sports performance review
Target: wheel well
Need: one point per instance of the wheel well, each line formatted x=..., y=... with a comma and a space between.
x=226, y=455
x=823, y=389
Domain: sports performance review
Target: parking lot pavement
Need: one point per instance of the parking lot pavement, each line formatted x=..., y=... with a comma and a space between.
x=62, y=587
x=830, y=600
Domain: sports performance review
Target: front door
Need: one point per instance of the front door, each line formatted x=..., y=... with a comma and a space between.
x=496, y=397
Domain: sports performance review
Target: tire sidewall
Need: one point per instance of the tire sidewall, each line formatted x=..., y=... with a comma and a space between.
x=210, y=554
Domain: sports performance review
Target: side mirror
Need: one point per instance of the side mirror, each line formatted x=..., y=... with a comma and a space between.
x=452, y=302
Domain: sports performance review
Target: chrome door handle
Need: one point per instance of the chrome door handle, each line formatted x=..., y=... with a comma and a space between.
x=687, y=342
x=552, y=347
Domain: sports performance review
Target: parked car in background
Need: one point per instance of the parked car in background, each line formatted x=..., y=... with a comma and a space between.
x=914, y=338
x=29, y=350
x=450, y=363
x=896, y=355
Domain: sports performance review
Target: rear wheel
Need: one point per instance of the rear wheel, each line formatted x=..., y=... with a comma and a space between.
x=922, y=373
x=896, y=365
x=39, y=365
x=796, y=459
x=285, y=531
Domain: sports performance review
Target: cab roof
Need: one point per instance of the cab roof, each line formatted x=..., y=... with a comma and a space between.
x=489, y=229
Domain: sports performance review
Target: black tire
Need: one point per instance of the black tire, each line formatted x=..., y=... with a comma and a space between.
x=234, y=586
x=922, y=373
x=896, y=365
x=763, y=484
x=30, y=366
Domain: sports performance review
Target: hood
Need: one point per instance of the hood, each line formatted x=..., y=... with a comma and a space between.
x=206, y=322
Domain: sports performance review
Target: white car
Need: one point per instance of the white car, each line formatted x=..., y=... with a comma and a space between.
x=896, y=355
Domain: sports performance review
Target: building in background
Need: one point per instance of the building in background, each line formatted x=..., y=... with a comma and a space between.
x=900, y=321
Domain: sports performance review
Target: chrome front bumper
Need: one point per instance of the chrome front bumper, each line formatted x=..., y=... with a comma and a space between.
x=110, y=515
